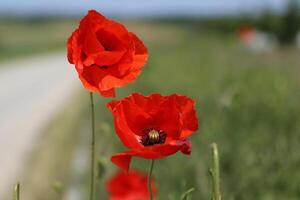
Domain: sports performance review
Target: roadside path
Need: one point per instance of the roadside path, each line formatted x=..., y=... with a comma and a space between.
x=32, y=90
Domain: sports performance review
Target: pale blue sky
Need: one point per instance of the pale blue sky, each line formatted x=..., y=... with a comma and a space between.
x=134, y=8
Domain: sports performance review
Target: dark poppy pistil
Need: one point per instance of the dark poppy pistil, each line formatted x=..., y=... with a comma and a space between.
x=153, y=137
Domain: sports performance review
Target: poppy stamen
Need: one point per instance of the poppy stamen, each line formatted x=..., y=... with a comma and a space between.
x=153, y=137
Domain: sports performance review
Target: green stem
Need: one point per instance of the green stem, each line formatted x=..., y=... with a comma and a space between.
x=215, y=173
x=92, y=148
x=16, y=195
x=150, y=178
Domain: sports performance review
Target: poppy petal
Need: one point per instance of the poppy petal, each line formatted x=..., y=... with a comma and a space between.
x=141, y=53
x=118, y=29
x=112, y=105
x=136, y=118
x=93, y=75
x=108, y=93
x=128, y=138
x=188, y=119
x=167, y=119
x=104, y=58
x=91, y=44
x=94, y=16
x=71, y=42
x=132, y=185
x=87, y=85
x=150, y=104
x=123, y=159
x=157, y=151
x=163, y=150
x=139, y=46
x=107, y=58
x=110, y=81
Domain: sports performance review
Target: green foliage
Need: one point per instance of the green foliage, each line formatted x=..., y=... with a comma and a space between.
x=290, y=23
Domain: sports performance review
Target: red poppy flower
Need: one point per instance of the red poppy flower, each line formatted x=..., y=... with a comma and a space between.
x=129, y=186
x=247, y=34
x=105, y=54
x=153, y=126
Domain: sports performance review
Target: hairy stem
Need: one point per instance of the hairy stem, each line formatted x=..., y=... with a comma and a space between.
x=16, y=195
x=92, y=149
x=215, y=173
x=150, y=179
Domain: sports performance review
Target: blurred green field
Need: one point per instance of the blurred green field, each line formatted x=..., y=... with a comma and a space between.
x=22, y=37
x=248, y=103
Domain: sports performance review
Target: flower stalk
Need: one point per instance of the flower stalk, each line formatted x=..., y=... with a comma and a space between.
x=92, y=149
x=185, y=196
x=215, y=173
x=16, y=195
x=150, y=179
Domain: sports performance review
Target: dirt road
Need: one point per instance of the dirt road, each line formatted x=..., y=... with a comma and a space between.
x=32, y=90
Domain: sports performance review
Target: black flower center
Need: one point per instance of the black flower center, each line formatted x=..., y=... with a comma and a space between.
x=153, y=137
x=104, y=67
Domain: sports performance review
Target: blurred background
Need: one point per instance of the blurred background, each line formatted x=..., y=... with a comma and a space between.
x=238, y=59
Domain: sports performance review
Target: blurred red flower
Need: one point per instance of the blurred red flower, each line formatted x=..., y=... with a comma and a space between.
x=105, y=54
x=153, y=126
x=129, y=186
x=247, y=34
